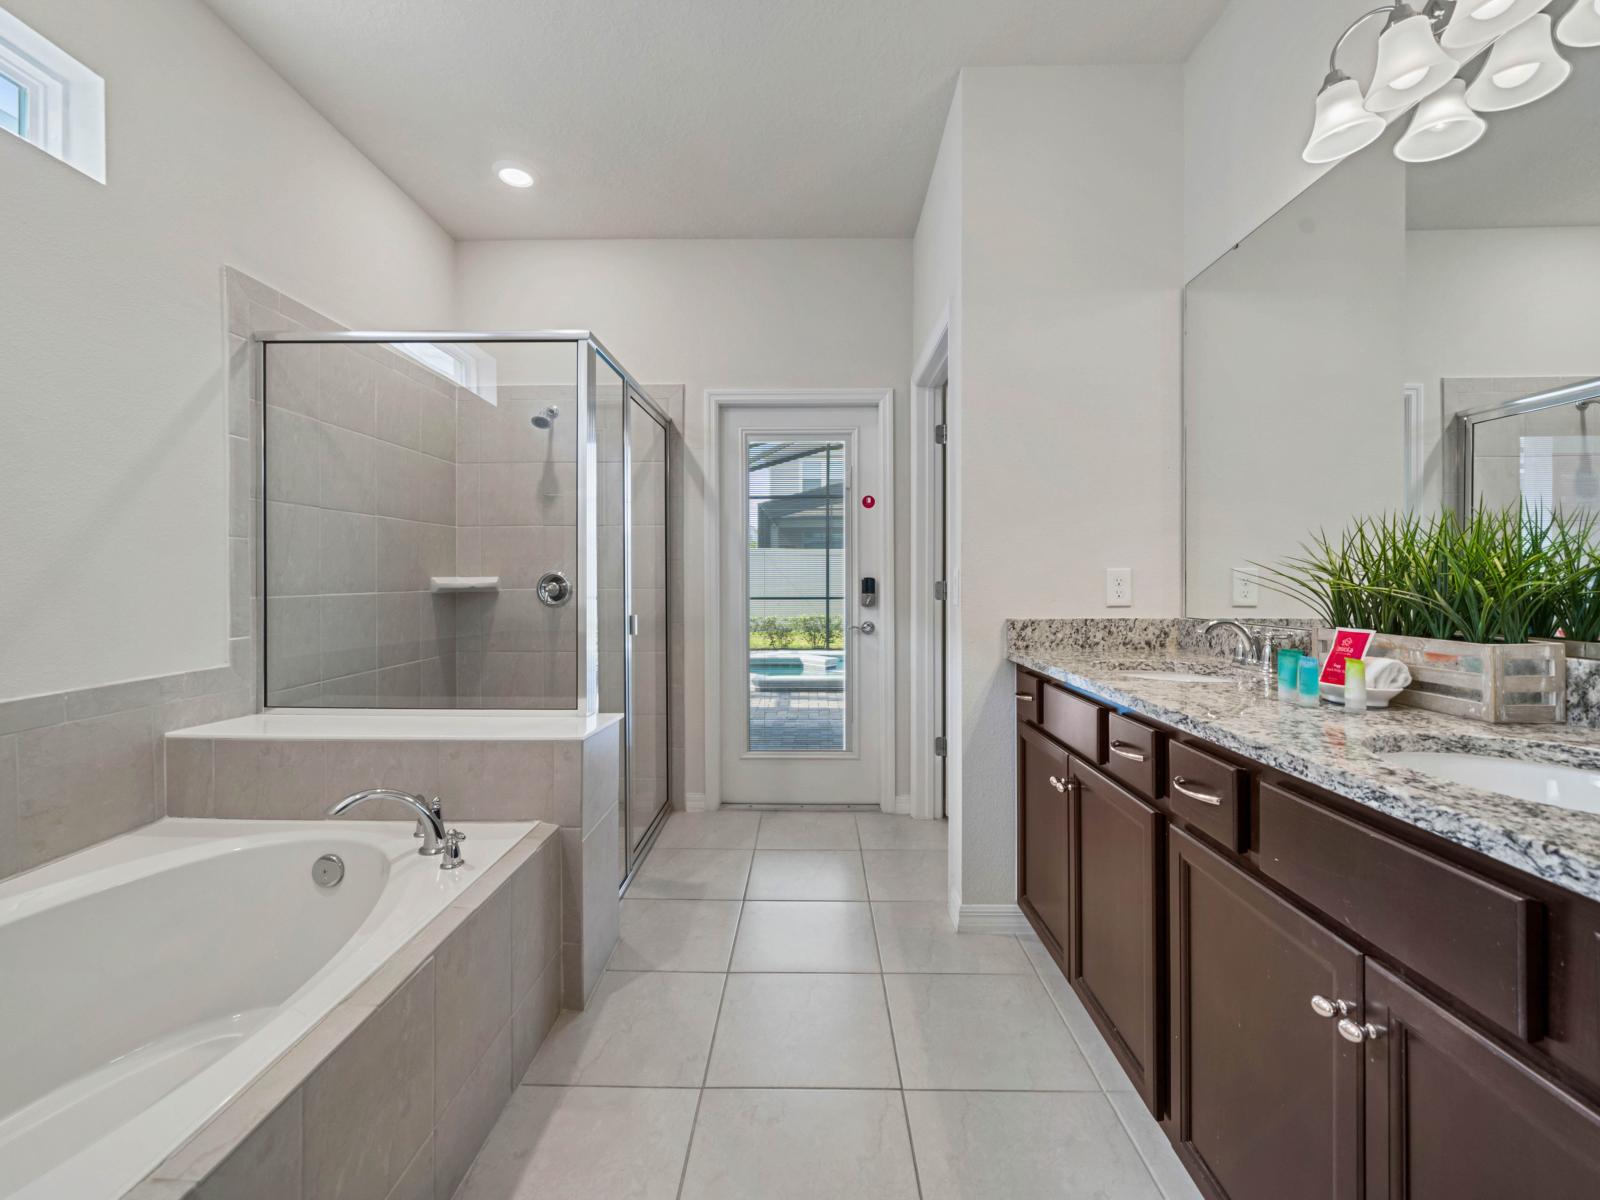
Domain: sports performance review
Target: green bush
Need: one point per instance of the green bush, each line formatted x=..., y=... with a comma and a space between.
x=1500, y=575
x=774, y=632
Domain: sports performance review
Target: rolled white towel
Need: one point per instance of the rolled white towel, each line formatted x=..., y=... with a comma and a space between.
x=1387, y=675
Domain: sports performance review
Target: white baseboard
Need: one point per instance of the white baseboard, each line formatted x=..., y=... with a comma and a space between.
x=991, y=918
x=696, y=802
x=902, y=803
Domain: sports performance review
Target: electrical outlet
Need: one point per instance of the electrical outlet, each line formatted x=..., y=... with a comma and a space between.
x=1119, y=587
x=1246, y=588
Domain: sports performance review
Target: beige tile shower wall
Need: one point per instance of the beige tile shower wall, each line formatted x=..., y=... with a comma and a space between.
x=360, y=513
x=393, y=1093
x=516, y=509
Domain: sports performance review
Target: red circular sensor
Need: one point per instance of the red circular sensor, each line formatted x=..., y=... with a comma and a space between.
x=869, y=502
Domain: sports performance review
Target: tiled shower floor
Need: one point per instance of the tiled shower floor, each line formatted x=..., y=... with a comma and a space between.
x=788, y=1015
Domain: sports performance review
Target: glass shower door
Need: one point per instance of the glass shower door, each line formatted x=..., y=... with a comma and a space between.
x=645, y=462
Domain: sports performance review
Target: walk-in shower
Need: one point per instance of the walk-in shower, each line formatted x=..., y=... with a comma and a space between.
x=468, y=521
x=1511, y=443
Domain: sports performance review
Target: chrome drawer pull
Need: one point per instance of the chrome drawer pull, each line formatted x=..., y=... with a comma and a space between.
x=1205, y=796
x=1123, y=750
x=1026, y=697
x=1058, y=784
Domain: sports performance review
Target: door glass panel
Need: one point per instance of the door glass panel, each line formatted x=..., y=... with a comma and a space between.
x=796, y=573
x=647, y=580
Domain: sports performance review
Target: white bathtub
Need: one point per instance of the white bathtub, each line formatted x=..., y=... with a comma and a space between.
x=145, y=981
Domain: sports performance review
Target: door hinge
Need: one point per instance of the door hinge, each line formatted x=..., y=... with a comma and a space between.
x=940, y=589
x=941, y=747
x=941, y=434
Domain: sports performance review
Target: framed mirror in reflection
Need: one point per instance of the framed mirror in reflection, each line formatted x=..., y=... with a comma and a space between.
x=1374, y=346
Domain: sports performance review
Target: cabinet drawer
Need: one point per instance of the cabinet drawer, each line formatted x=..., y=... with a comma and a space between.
x=1468, y=935
x=1134, y=754
x=1027, y=696
x=1207, y=793
x=1078, y=723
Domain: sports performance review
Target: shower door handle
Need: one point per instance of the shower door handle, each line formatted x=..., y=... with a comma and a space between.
x=633, y=624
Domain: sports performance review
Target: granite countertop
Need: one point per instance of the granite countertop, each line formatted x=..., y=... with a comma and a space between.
x=1343, y=753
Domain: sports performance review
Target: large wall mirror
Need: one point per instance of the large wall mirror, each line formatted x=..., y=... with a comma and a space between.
x=1327, y=357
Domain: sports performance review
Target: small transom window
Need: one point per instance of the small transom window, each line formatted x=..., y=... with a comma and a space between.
x=50, y=99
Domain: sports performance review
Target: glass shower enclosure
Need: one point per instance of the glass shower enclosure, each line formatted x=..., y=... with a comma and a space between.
x=1539, y=450
x=469, y=521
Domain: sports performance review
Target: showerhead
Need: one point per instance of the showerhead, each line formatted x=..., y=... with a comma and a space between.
x=547, y=418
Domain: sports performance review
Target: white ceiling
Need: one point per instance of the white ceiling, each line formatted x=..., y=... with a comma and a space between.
x=675, y=118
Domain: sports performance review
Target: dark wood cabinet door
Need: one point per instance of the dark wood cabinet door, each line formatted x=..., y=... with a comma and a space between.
x=1114, y=963
x=1043, y=770
x=1451, y=1114
x=1266, y=1096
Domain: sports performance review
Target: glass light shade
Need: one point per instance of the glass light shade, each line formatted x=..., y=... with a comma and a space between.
x=1522, y=67
x=1411, y=65
x=1343, y=124
x=1479, y=22
x=1581, y=26
x=1443, y=125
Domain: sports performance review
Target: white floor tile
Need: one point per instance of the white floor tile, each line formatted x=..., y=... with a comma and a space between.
x=800, y=1145
x=905, y=874
x=803, y=1031
x=648, y=1029
x=1107, y=1070
x=688, y=874
x=1020, y=1146
x=676, y=935
x=808, y=831
x=724, y=829
x=918, y=938
x=585, y=1143
x=806, y=875
x=805, y=935
x=883, y=831
x=982, y=1031
x=1153, y=1147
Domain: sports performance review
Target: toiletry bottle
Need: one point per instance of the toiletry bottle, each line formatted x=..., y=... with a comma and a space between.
x=1355, y=685
x=1289, y=674
x=1310, y=669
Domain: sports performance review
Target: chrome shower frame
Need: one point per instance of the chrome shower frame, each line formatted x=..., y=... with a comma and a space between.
x=1458, y=438
x=590, y=351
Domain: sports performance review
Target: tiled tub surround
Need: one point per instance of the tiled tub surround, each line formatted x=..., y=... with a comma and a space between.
x=390, y=1064
x=287, y=765
x=1343, y=753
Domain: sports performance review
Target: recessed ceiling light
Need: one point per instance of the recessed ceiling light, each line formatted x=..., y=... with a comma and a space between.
x=514, y=176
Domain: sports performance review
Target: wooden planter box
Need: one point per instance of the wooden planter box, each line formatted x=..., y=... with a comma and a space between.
x=1524, y=684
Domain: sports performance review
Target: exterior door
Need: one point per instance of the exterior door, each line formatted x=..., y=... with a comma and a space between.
x=1266, y=1096
x=804, y=652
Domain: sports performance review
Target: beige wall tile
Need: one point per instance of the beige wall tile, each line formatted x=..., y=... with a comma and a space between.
x=355, y=766
x=370, y=1105
x=502, y=781
x=269, y=780
x=84, y=781
x=188, y=777
x=465, y=1124
x=417, y=1182
x=268, y=1165
x=601, y=906
x=473, y=995
x=535, y=917
x=10, y=857
x=534, y=1016
x=602, y=774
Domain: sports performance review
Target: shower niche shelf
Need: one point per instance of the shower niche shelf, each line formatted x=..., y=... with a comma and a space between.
x=464, y=583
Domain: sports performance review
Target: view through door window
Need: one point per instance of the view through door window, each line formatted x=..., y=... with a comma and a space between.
x=795, y=584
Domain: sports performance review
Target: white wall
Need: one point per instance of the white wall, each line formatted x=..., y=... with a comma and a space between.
x=1248, y=93
x=714, y=314
x=113, y=507
x=1275, y=402
x=1066, y=429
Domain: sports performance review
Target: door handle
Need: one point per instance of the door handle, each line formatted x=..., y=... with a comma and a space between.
x=865, y=627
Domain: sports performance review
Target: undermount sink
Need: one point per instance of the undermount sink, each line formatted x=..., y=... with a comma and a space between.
x=1173, y=676
x=1545, y=783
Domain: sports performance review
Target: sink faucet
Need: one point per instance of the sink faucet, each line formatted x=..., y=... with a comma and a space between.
x=436, y=839
x=1248, y=647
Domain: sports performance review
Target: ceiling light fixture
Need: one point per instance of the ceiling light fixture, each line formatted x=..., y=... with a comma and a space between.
x=1478, y=22
x=1522, y=67
x=513, y=176
x=1580, y=28
x=1411, y=63
x=1443, y=125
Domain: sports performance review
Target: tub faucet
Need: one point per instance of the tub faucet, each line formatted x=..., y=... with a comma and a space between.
x=436, y=839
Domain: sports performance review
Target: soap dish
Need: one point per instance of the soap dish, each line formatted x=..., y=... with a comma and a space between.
x=1376, y=697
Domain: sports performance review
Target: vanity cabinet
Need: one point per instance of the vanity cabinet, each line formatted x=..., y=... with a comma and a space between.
x=1114, y=848
x=1043, y=771
x=1316, y=1000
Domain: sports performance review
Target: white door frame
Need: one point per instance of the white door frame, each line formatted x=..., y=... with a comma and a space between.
x=718, y=399
x=932, y=373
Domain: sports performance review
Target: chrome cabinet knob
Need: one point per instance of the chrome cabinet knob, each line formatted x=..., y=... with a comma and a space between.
x=1058, y=784
x=1358, y=1032
x=1324, y=1007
